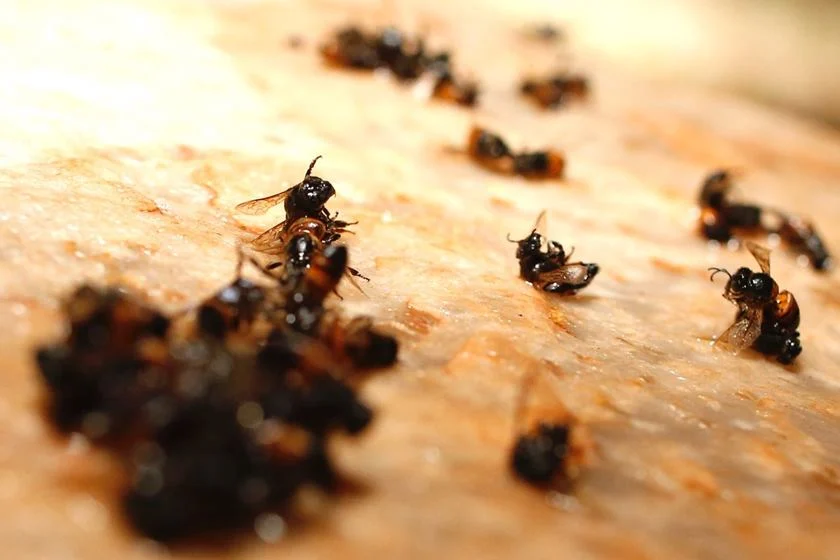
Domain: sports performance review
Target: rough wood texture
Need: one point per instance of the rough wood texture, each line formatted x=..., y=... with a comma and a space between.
x=124, y=149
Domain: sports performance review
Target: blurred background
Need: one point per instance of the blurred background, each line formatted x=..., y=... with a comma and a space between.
x=782, y=52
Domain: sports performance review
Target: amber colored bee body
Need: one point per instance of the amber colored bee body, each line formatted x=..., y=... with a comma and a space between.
x=491, y=152
x=550, y=270
x=556, y=91
x=767, y=318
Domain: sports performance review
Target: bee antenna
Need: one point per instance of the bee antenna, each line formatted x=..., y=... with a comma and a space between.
x=511, y=240
x=311, y=167
x=717, y=270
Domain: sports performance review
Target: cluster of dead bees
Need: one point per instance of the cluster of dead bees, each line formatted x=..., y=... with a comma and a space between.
x=408, y=60
x=224, y=411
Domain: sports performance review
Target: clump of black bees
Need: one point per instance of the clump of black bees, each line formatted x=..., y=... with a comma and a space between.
x=407, y=59
x=491, y=152
x=225, y=412
x=722, y=219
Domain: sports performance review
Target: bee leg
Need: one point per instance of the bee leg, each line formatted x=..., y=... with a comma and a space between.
x=357, y=274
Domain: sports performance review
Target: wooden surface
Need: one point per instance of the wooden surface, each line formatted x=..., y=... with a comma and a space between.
x=130, y=129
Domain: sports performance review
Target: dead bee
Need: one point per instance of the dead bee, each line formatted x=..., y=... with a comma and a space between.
x=550, y=270
x=352, y=48
x=802, y=237
x=304, y=200
x=539, y=165
x=491, y=152
x=767, y=319
x=448, y=89
x=358, y=342
x=114, y=340
x=304, y=305
x=550, y=452
x=233, y=308
x=719, y=217
x=555, y=91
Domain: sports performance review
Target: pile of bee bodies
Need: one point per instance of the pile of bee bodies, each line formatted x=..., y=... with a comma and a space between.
x=225, y=412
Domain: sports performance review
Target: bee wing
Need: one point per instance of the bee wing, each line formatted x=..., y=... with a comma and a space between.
x=262, y=205
x=270, y=238
x=743, y=331
x=572, y=274
x=761, y=254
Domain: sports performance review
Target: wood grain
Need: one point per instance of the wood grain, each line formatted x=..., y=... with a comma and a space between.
x=131, y=129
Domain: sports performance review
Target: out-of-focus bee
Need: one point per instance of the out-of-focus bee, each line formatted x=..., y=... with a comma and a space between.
x=719, y=217
x=359, y=342
x=93, y=374
x=555, y=91
x=552, y=449
x=721, y=220
x=802, y=237
x=490, y=151
x=352, y=48
x=550, y=270
x=767, y=319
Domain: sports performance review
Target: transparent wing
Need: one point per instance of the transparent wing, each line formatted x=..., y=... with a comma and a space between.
x=270, y=238
x=573, y=274
x=540, y=224
x=761, y=254
x=263, y=205
x=743, y=332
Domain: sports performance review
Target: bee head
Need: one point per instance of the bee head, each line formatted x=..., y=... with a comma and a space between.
x=528, y=247
x=313, y=194
x=751, y=287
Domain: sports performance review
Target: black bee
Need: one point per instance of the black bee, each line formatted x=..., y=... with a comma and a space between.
x=719, y=217
x=304, y=306
x=802, y=237
x=92, y=375
x=555, y=91
x=491, y=152
x=767, y=319
x=233, y=308
x=304, y=200
x=352, y=48
x=551, y=451
x=446, y=87
x=359, y=342
x=550, y=270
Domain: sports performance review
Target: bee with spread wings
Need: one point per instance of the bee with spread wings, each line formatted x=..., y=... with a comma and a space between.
x=767, y=318
x=550, y=270
x=304, y=200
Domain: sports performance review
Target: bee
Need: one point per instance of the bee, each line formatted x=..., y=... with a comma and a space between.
x=491, y=152
x=304, y=306
x=304, y=200
x=553, y=450
x=352, y=48
x=405, y=59
x=550, y=270
x=304, y=238
x=448, y=89
x=719, y=217
x=236, y=307
x=92, y=374
x=359, y=343
x=802, y=237
x=767, y=318
x=555, y=91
